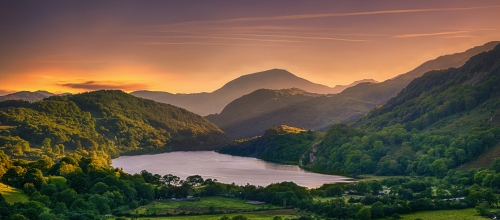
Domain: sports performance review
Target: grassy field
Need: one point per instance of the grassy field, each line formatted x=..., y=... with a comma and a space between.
x=12, y=195
x=205, y=205
x=57, y=180
x=366, y=177
x=461, y=214
x=251, y=216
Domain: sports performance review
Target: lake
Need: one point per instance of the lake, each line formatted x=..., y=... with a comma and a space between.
x=224, y=168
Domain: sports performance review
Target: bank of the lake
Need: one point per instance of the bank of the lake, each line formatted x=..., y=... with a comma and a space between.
x=224, y=168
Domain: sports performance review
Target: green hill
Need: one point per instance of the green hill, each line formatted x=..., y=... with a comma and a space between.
x=282, y=144
x=111, y=122
x=441, y=120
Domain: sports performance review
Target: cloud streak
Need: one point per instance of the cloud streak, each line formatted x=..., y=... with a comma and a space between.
x=429, y=34
x=325, y=15
x=94, y=85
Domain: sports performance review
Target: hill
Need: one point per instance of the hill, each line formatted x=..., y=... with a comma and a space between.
x=110, y=123
x=252, y=106
x=320, y=112
x=214, y=102
x=27, y=96
x=441, y=120
x=283, y=144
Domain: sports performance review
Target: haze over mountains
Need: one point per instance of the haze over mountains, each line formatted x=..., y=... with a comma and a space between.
x=214, y=102
x=320, y=112
x=27, y=96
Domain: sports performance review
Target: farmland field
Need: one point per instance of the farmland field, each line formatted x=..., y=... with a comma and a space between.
x=205, y=205
x=12, y=195
x=462, y=214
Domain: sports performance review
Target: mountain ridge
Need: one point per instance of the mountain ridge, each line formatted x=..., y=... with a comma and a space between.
x=321, y=112
x=214, y=102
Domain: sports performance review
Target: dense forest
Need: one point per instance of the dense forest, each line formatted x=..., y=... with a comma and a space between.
x=101, y=124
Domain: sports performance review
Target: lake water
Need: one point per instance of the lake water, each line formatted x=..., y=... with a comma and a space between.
x=224, y=168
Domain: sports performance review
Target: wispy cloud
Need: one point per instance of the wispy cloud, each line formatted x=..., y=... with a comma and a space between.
x=429, y=34
x=302, y=37
x=94, y=85
x=325, y=15
x=459, y=36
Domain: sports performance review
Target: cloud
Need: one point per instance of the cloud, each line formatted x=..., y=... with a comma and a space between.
x=94, y=85
x=304, y=37
x=308, y=16
x=429, y=34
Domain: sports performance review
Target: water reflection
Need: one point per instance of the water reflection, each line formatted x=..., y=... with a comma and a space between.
x=224, y=168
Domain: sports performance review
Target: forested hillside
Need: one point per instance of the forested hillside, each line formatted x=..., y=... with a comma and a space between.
x=283, y=144
x=439, y=121
x=101, y=123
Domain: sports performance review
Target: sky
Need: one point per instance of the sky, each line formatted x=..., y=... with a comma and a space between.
x=198, y=46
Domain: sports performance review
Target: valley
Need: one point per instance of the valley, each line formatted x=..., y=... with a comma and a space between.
x=249, y=110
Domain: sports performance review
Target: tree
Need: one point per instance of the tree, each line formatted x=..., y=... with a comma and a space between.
x=364, y=214
x=496, y=165
x=377, y=210
x=46, y=145
x=439, y=168
x=239, y=217
x=171, y=180
x=375, y=187
x=194, y=180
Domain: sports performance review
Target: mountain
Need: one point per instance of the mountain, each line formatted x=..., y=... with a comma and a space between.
x=319, y=113
x=251, y=108
x=214, y=102
x=27, y=96
x=108, y=122
x=440, y=121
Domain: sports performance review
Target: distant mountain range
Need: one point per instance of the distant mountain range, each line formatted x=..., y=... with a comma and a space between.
x=214, y=102
x=319, y=112
x=27, y=96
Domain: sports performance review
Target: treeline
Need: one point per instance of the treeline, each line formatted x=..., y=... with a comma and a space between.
x=107, y=122
x=283, y=144
x=92, y=190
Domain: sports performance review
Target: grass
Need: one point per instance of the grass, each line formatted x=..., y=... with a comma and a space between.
x=12, y=195
x=462, y=214
x=205, y=205
x=326, y=199
x=250, y=216
x=57, y=180
x=367, y=177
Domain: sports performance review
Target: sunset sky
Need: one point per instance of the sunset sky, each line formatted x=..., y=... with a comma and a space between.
x=198, y=46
